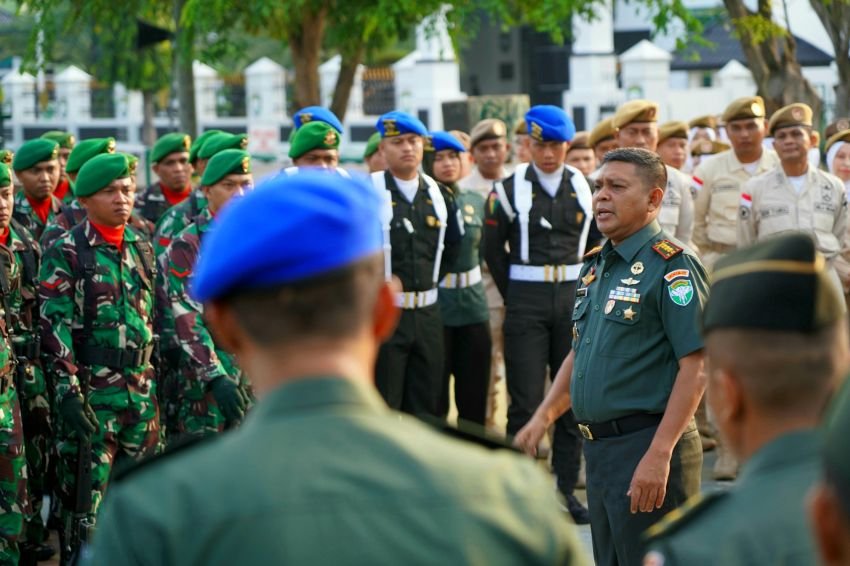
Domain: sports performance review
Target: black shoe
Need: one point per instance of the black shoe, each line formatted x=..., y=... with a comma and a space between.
x=579, y=513
x=32, y=553
x=44, y=552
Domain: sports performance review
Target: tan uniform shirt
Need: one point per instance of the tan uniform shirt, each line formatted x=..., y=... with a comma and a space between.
x=717, y=203
x=770, y=205
x=677, y=209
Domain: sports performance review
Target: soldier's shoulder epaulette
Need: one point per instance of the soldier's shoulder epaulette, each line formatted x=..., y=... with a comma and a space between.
x=684, y=515
x=592, y=253
x=667, y=249
x=182, y=445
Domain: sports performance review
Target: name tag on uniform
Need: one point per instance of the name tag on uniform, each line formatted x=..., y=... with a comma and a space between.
x=581, y=292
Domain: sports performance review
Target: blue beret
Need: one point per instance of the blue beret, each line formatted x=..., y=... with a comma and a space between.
x=288, y=229
x=444, y=140
x=549, y=123
x=396, y=123
x=316, y=114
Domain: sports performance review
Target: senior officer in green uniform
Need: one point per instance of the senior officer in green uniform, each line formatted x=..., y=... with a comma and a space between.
x=829, y=507
x=422, y=233
x=634, y=377
x=776, y=349
x=363, y=484
x=541, y=215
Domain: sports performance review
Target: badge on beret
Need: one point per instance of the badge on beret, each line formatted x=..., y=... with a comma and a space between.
x=637, y=268
x=757, y=110
x=72, y=140
x=246, y=164
x=131, y=166
x=243, y=144
x=797, y=113
x=498, y=129
x=7, y=159
x=187, y=142
x=110, y=146
x=55, y=153
x=305, y=117
x=842, y=125
x=649, y=113
x=536, y=131
x=428, y=144
x=330, y=138
x=390, y=128
x=681, y=292
x=609, y=306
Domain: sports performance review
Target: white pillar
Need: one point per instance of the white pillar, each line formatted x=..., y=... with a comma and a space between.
x=73, y=95
x=735, y=80
x=206, y=84
x=19, y=103
x=265, y=90
x=646, y=71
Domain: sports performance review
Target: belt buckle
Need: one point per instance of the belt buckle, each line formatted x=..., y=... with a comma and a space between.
x=548, y=276
x=585, y=431
x=407, y=300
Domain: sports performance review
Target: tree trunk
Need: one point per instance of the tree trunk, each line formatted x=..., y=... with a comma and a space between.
x=345, y=80
x=148, y=129
x=306, y=45
x=184, y=77
x=835, y=17
x=773, y=63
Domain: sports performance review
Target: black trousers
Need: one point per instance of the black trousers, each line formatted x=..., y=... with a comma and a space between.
x=611, y=463
x=467, y=351
x=409, y=370
x=538, y=336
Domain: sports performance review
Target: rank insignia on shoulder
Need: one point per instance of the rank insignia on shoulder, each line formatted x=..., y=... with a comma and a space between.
x=667, y=249
x=595, y=251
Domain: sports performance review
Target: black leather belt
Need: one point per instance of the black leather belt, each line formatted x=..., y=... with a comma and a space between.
x=618, y=427
x=115, y=358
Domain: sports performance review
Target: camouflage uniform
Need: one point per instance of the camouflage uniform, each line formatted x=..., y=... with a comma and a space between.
x=22, y=300
x=117, y=348
x=202, y=360
x=151, y=204
x=27, y=217
x=73, y=213
x=14, y=504
x=176, y=219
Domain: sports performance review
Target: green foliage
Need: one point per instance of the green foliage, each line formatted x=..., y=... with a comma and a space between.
x=757, y=28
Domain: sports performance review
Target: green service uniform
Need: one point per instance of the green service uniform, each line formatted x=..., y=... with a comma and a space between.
x=389, y=491
x=410, y=365
x=635, y=317
x=466, y=326
x=762, y=519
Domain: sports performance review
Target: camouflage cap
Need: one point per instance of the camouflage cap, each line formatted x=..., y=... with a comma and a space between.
x=839, y=125
x=372, y=145
x=313, y=135
x=489, y=129
x=220, y=142
x=604, y=130
x=224, y=163
x=175, y=142
x=66, y=140
x=5, y=175
x=708, y=121
x=198, y=143
x=836, y=457
x=87, y=149
x=744, y=108
x=636, y=111
x=797, y=114
x=840, y=136
x=780, y=284
x=674, y=129
x=96, y=174
x=7, y=156
x=33, y=152
x=580, y=141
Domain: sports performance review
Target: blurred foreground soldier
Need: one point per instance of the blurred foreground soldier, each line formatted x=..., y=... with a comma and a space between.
x=580, y=155
x=776, y=349
x=212, y=393
x=794, y=196
x=536, y=230
x=96, y=298
x=422, y=233
x=66, y=143
x=634, y=376
x=602, y=141
x=306, y=321
x=673, y=144
x=374, y=159
x=36, y=166
x=170, y=158
x=829, y=503
x=636, y=123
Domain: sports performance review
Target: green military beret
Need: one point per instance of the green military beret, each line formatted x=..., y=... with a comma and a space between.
x=744, y=108
x=87, y=149
x=6, y=156
x=199, y=143
x=174, y=142
x=797, y=114
x=836, y=429
x=372, y=145
x=66, y=140
x=674, y=129
x=780, y=284
x=313, y=135
x=33, y=152
x=132, y=162
x=636, y=111
x=222, y=141
x=224, y=163
x=99, y=171
x=5, y=175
